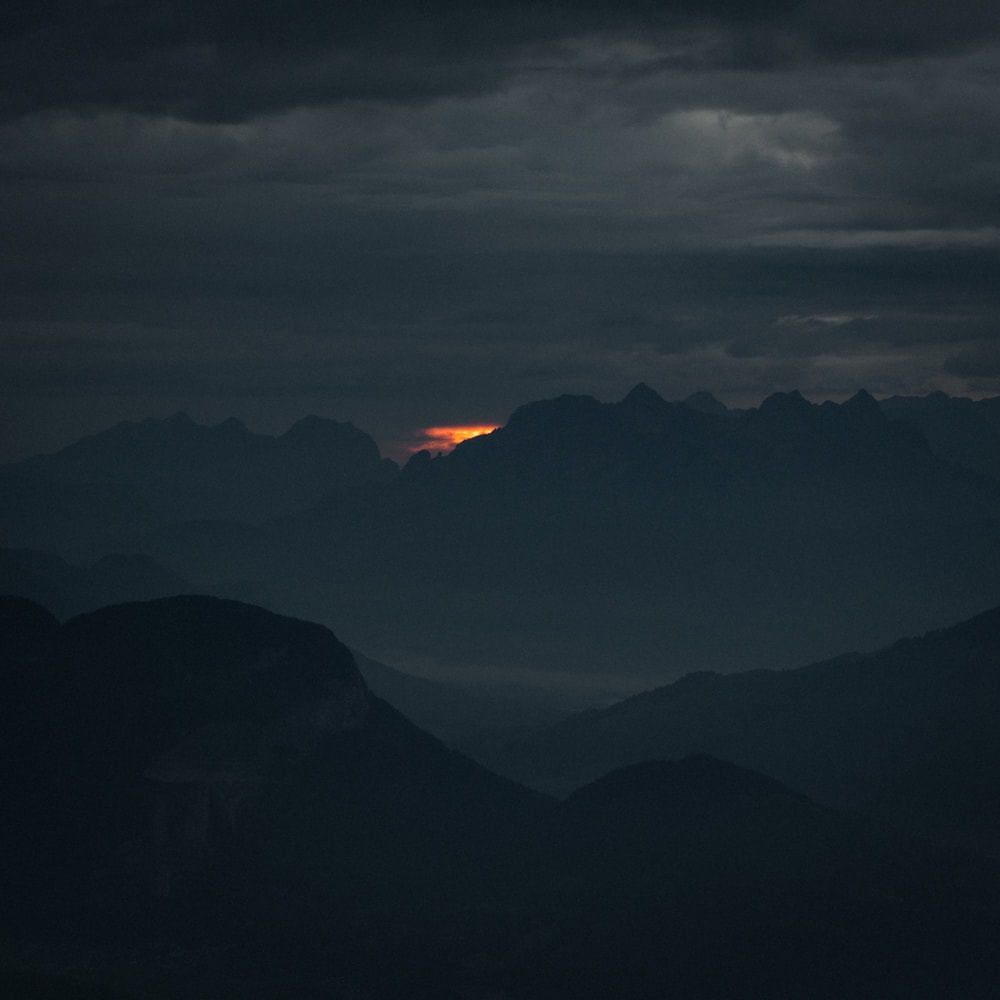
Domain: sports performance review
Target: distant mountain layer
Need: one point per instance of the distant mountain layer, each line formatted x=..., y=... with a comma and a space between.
x=908, y=733
x=963, y=431
x=181, y=470
x=68, y=589
x=203, y=799
x=617, y=545
x=637, y=541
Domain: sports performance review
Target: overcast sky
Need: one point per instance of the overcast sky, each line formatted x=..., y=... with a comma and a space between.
x=411, y=214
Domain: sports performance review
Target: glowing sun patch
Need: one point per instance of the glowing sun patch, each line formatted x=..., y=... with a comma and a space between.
x=445, y=438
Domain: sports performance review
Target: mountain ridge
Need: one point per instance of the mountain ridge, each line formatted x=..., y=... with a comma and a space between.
x=185, y=471
x=845, y=731
x=640, y=537
x=193, y=818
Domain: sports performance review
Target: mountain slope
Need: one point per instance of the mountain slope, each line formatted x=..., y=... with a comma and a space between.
x=663, y=844
x=851, y=731
x=208, y=801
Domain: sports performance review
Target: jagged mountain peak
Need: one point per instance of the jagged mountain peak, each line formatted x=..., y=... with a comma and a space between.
x=232, y=425
x=785, y=402
x=783, y=416
x=790, y=418
x=864, y=395
x=705, y=402
x=183, y=470
x=549, y=414
x=863, y=402
x=641, y=395
x=312, y=425
x=323, y=432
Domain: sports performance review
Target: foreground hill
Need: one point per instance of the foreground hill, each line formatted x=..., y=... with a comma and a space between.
x=209, y=772
x=452, y=711
x=700, y=868
x=207, y=800
x=909, y=731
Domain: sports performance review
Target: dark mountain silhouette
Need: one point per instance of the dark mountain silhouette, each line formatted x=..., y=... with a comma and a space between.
x=637, y=541
x=959, y=430
x=907, y=733
x=203, y=768
x=950, y=795
x=31, y=699
x=707, y=403
x=68, y=590
x=662, y=843
x=963, y=431
x=616, y=544
x=129, y=691
x=208, y=801
x=192, y=694
x=26, y=628
x=182, y=471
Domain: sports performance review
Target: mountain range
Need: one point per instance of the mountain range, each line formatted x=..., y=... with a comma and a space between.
x=907, y=733
x=596, y=546
x=207, y=797
x=208, y=800
x=160, y=471
x=621, y=544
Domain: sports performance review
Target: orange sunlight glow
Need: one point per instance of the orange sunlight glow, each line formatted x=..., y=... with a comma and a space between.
x=445, y=438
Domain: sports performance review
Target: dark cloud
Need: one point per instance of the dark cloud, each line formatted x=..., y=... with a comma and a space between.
x=979, y=362
x=409, y=214
x=859, y=29
x=227, y=61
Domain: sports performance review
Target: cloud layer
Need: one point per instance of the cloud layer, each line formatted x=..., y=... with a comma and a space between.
x=413, y=215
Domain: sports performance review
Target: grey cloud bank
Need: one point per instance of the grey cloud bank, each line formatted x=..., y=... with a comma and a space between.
x=427, y=214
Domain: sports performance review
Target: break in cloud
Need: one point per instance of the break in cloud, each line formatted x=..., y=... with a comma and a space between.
x=414, y=215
